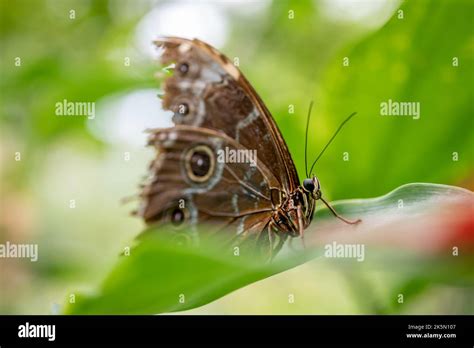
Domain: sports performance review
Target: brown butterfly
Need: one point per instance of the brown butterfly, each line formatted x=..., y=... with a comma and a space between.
x=204, y=171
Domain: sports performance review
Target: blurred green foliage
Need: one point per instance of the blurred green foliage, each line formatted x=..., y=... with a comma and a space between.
x=293, y=62
x=409, y=59
x=159, y=276
x=289, y=61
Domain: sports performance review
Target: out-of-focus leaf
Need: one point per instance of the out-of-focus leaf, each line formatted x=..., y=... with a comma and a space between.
x=158, y=276
x=412, y=58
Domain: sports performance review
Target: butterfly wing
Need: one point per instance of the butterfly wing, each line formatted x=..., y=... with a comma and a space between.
x=207, y=90
x=191, y=181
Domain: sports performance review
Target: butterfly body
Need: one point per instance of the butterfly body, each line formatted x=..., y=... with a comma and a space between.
x=295, y=213
x=216, y=112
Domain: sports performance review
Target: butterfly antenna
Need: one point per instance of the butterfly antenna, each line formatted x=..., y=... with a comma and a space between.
x=330, y=140
x=306, y=139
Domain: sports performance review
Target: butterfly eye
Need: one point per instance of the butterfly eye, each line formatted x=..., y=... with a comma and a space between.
x=308, y=185
x=200, y=163
x=183, y=68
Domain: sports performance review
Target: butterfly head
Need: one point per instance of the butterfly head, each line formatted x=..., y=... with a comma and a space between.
x=312, y=186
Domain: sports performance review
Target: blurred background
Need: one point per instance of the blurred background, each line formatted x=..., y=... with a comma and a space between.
x=63, y=178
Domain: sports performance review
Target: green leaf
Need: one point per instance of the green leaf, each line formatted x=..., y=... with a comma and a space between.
x=409, y=59
x=159, y=276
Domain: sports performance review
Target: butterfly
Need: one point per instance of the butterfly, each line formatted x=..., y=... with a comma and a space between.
x=204, y=171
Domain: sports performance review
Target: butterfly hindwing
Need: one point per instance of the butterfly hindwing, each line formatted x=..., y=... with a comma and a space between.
x=191, y=182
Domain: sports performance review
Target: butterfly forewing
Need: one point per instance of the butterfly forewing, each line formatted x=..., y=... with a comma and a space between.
x=207, y=90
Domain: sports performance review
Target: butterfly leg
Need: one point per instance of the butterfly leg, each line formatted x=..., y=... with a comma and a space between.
x=354, y=222
x=270, y=239
x=300, y=225
x=273, y=232
x=281, y=242
x=290, y=244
